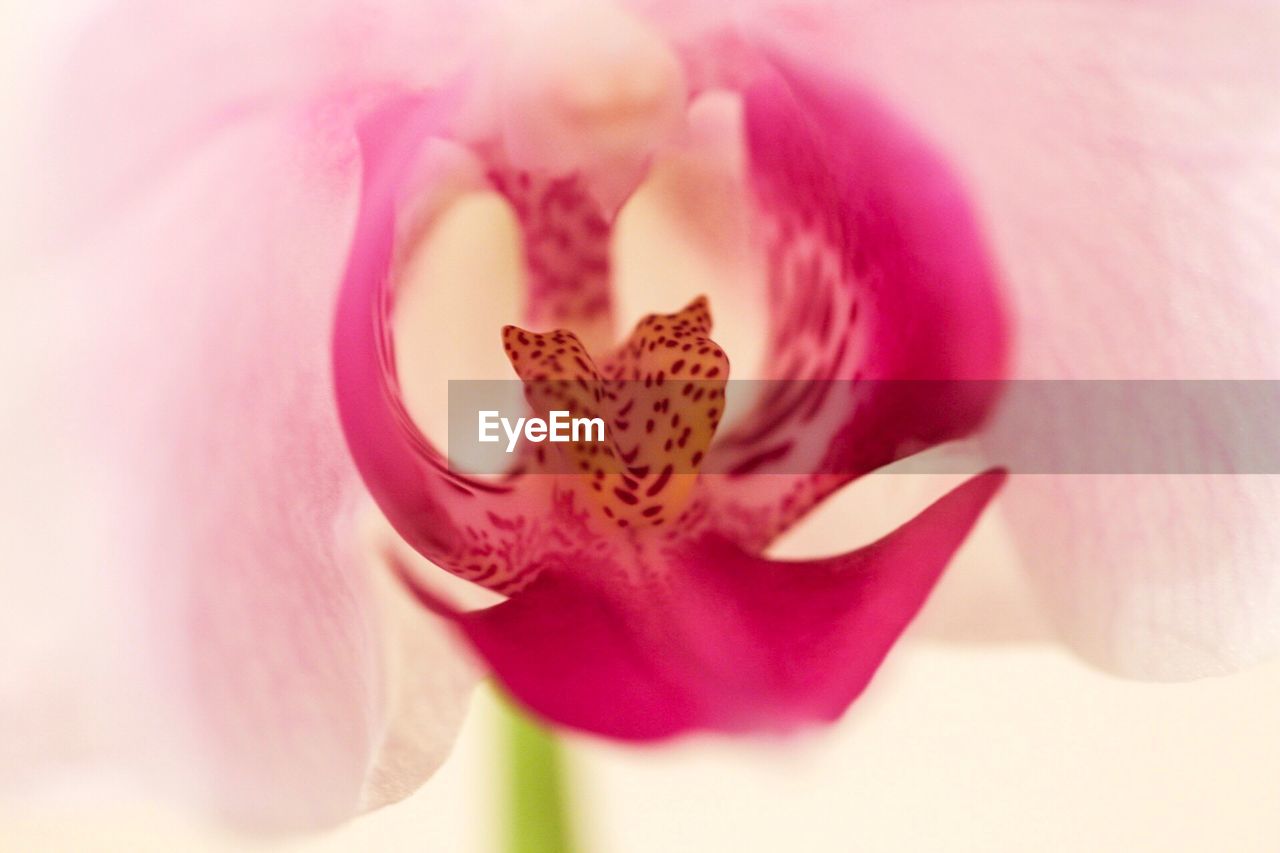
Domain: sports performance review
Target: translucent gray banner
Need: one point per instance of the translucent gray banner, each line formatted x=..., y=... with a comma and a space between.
x=801, y=427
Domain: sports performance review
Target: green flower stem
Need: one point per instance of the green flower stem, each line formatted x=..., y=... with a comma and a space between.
x=537, y=817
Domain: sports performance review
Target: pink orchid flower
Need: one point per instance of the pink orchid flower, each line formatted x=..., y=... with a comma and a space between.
x=938, y=191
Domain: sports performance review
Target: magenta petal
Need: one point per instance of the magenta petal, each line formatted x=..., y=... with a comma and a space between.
x=833, y=161
x=461, y=523
x=877, y=272
x=402, y=470
x=724, y=641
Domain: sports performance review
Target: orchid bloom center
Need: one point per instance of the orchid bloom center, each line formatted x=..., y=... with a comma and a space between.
x=638, y=600
x=661, y=396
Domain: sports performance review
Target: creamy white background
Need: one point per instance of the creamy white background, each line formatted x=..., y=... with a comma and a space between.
x=958, y=748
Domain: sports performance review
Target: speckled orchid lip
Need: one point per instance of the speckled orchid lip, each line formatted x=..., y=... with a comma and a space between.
x=639, y=604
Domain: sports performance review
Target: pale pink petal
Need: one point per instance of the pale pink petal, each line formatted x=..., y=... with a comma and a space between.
x=191, y=399
x=1125, y=159
x=149, y=81
x=193, y=606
